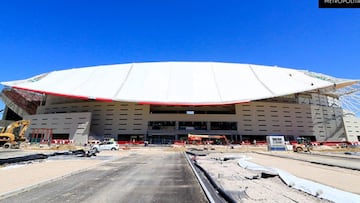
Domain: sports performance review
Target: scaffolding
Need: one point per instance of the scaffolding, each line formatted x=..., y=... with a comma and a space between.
x=41, y=135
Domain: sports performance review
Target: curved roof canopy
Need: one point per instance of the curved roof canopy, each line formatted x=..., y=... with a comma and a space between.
x=175, y=83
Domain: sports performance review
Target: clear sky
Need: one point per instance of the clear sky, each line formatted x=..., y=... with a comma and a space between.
x=39, y=36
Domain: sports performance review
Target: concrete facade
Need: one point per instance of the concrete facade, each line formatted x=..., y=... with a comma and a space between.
x=309, y=114
x=75, y=126
x=352, y=127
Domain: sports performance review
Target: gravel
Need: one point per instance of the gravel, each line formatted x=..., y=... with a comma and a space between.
x=250, y=186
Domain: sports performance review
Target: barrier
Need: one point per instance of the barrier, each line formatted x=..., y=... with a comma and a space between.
x=179, y=142
x=60, y=141
x=130, y=142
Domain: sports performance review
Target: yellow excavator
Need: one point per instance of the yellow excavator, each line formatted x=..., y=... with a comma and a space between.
x=14, y=134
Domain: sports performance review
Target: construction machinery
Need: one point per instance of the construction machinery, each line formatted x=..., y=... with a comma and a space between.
x=207, y=139
x=302, y=145
x=14, y=134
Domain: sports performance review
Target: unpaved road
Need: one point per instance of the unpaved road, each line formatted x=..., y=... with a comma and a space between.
x=246, y=185
x=164, y=177
x=340, y=178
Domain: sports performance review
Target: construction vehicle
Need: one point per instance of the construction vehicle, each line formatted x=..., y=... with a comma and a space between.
x=207, y=139
x=14, y=134
x=302, y=145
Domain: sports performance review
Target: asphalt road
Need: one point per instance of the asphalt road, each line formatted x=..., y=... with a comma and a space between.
x=164, y=177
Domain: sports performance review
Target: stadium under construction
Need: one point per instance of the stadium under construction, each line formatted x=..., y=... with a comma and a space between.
x=162, y=102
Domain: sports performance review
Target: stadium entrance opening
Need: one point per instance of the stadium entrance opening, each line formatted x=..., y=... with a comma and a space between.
x=161, y=139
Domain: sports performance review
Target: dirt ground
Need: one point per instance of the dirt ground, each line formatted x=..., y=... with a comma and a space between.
x=238, y=181
x=343, y=179
x=248, y=186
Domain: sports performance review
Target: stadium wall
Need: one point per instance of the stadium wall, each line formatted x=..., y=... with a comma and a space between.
x=313, y=115
x=60, y=126
x=352, y=127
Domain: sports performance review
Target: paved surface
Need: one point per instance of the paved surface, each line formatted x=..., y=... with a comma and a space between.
x=340, y=178
x=142, y=174
x=145, y=177
x=344, y=161
x=249, y=186
x=10, y=153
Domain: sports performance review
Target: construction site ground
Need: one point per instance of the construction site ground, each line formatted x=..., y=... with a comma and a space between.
x=16, y=178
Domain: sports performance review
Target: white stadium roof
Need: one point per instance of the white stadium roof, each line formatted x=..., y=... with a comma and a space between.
x=177, y=83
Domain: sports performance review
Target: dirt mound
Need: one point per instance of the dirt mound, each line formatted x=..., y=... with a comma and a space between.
x=51, y=147
x=65, y=147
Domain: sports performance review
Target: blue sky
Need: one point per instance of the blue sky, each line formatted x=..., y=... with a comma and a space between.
x=40, y=35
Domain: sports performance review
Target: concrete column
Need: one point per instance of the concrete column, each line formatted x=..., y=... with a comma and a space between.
x=176, y=125
x=208, y=125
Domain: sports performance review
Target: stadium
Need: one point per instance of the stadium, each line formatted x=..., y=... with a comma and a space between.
x=163, y=102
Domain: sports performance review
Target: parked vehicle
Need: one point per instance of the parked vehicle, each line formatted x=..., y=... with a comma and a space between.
x=107, y=145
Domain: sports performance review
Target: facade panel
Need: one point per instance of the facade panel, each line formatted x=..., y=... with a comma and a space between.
x=71, y=126
x=291, y=116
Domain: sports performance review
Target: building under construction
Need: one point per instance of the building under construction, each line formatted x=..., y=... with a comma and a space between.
x=161, y=102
